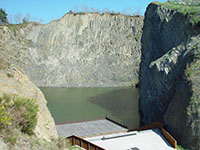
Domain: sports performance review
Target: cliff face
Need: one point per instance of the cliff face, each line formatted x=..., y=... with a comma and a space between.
x=13, y=81
x=169, y=74
x=78, y=50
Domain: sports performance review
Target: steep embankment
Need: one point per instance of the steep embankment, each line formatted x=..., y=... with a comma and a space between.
x=170, y=73
x=77, y=50
x=13, y=81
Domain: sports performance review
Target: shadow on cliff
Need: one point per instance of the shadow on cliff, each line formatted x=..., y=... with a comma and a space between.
x=122, y=104
x=157, y=88
x=169, y=94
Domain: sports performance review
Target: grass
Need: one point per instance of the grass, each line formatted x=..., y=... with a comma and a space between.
x=4, y=64
x=193, y=69
x=17, y=26
x=18, y=112
x=179, y=147
x=187, y=9
x=18, y=140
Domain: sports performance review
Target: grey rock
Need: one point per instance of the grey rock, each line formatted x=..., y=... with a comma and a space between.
x=167, y=93
x=3, y=145
x=78, y=50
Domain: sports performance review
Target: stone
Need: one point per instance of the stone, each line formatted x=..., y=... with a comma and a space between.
x=169, y=74
x=3, y=145
x=77, y=50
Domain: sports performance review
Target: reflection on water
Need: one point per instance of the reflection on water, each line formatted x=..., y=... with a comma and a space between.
x=76, y=104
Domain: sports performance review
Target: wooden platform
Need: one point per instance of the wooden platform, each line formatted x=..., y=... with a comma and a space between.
x=89, y=128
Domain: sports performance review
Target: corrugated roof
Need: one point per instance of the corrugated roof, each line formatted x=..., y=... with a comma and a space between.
x=89, y=128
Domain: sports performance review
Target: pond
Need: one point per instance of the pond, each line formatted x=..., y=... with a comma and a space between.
x=78, y=104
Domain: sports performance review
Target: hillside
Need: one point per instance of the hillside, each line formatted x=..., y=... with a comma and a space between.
x=109, y=50
x=13, y=81
x=77, y=50
x=170, y=70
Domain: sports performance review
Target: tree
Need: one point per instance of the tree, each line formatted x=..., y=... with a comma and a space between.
x=105, y=10
x=18, y=18
x=28, y=17
x=70, y=12
x=25, y=21
x=127, y=11
x=94, y=10
x=84, y=8
x=3, y=17
x=75, y=9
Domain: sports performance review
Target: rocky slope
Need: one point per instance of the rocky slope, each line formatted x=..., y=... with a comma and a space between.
x=77, y=50
x=170, y=73
x=13, y=81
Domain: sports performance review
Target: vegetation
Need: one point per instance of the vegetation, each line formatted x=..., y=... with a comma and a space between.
x=193, y=69
x=3, y=16
x=190, y=8
x=179, y=147
x=15, y=27
x=4, y=64
x=18, y=112
x=18, y=119
x=18, y=140
x=25, y=21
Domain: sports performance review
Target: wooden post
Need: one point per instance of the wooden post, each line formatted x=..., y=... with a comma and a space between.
x=81, y=143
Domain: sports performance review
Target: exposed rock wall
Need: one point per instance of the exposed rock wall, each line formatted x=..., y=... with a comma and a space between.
x=169, y=90
x=13, y=81
x=78, y=50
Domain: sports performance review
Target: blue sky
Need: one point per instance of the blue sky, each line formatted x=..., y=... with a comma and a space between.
x=48, y=10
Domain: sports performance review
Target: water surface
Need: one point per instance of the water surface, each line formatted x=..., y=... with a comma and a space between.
x=77, y=104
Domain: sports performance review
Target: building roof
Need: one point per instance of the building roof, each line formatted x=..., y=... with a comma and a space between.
x=89, y=128
x=135, y=140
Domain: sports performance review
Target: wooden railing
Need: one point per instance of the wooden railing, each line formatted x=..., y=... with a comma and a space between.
x=169, y=138
x=154, y=125
x=158, y=125
x=75, y=140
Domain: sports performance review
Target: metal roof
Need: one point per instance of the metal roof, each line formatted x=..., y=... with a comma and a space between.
x=89, y=128
x=135, y=140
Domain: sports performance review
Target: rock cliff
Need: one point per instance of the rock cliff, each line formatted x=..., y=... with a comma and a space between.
x=169, y=74
x=77, y=50
x=13, y=81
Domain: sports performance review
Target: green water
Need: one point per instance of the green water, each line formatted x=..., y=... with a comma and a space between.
x=77, y=104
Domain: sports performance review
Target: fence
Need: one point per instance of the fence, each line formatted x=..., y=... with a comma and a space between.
x=169, y=138
x=154, y=125
x=158, y=125
x=75, y=140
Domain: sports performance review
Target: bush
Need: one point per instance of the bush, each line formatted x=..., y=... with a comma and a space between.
x=18, y=112
x=3, y=16
x=179, y=147
x=4, y=118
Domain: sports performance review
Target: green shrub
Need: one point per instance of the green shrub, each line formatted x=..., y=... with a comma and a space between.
x=4, y=118
x=20, y=111
x=3, y=16
x=179, y=147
